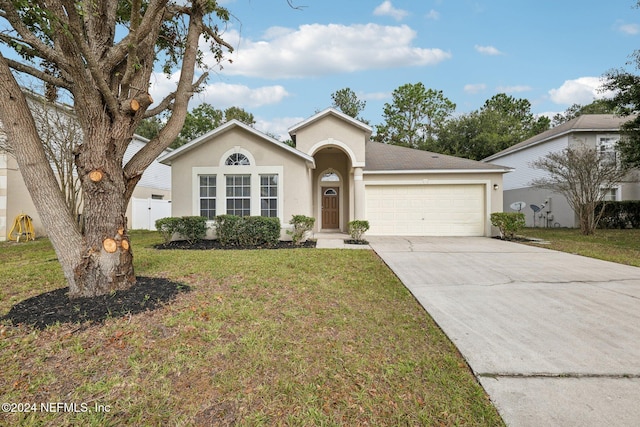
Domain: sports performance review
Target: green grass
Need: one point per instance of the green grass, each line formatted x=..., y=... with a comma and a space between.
x=621, y=246
x=267, y=337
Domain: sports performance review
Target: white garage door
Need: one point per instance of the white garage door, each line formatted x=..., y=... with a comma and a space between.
x=426, y=210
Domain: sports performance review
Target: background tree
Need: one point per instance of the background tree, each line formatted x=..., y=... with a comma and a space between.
x=61, y=135
x=501, y=122
x=198, y=121
x=627, y=103
x=102, y=54
x=347, y=101
x=583, y=177
x=414, y=117
x=598, y=106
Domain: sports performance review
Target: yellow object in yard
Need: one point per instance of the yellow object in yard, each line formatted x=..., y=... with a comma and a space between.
x=22, y=229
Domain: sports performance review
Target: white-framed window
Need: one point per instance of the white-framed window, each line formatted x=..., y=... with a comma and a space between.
x=207, y=187
x=269, y=195
x=237, y=159
x=607, y=148
x=238, y=195
x=611, y=194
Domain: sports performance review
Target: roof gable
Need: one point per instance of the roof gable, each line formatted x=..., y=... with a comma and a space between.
x=327, y=112
x=583, y=123
x=209, y=136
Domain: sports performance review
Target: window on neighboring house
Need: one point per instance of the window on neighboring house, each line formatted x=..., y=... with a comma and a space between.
x=610, y=194
x=237, y=159
x=607, y=150
x=208, y=196
x=269, y=195
x=239, y=195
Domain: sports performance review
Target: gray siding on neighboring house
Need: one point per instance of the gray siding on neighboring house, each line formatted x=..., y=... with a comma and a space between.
x=584, y=131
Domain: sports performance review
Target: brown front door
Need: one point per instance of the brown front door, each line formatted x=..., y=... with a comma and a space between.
x=330, y=208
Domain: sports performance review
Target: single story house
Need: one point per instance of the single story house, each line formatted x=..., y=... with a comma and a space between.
x=334, y=174
x=151, y=197
x=545, y=208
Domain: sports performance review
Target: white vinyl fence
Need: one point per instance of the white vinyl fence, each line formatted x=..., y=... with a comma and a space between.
x=145, y=212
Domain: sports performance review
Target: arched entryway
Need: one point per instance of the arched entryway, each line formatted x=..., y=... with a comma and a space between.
x=332, y=189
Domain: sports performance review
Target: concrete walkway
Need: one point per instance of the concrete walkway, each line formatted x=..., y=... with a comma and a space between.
x=325, y=240
x=553, y=338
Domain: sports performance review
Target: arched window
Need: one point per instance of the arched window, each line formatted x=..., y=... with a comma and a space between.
x=237, y=159
x=330, y=177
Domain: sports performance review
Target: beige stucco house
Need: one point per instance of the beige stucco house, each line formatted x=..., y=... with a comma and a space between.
x=334, y=174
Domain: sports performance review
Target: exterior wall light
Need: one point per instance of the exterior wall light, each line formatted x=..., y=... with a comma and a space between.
x=496, y=186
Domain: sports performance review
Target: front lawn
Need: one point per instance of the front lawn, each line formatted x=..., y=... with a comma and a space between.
x=263, y=337
x=621, y=246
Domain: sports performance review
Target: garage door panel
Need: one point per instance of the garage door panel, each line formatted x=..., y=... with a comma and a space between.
x=429, y=210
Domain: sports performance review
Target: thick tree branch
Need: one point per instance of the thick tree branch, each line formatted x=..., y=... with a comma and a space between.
x=41, y=75
x=168, y=100
x=143, y=158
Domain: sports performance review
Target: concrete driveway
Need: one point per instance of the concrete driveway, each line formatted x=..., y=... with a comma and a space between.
x=553, y=338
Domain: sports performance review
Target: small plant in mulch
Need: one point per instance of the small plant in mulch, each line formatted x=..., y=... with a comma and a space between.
x=357, y=228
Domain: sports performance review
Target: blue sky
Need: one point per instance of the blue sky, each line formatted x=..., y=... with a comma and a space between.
x=288, y=62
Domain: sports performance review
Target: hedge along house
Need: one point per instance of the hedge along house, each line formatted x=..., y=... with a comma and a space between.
x=334, y=174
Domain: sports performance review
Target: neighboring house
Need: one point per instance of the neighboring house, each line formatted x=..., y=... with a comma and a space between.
x=155, y=185
x=599, y=131
x=335, y=174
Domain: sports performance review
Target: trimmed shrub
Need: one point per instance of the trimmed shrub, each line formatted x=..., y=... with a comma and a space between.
x=192, y=228
x=509, y=223
x=623, y=214
x=357, y=228
x=258, y=231
x=301, y=226
x=247, y=231
x=167, y=227
x=227, y=229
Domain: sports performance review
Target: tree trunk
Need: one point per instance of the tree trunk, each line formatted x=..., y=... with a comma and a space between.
x=106, y=264
x=100, y=260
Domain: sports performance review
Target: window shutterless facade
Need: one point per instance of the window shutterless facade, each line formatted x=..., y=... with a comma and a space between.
x=207, y=196
x=238, y=195
x=269, y=195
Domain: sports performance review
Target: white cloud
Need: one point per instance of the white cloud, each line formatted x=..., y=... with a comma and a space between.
x=488, y=50
x=387, y=9
x=514, y=89
x=221, y=95
x=433, y=14
x=582, y=91
x=278, y=127
x=475, y=88
x=314, y=50
x=630, y=29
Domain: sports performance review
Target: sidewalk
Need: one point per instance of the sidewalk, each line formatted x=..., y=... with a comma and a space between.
x=335, y=241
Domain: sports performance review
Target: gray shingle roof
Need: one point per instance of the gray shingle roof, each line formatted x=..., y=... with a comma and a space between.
x=385, y=157
x=583, y=123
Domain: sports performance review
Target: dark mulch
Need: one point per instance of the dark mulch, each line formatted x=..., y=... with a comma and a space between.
x=356, y=242
x=54, y=307
x=215, y=244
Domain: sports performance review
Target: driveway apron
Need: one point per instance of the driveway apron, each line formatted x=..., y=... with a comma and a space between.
x=553, y=338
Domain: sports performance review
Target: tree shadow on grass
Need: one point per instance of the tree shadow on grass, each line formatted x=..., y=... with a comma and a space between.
x=55, y=307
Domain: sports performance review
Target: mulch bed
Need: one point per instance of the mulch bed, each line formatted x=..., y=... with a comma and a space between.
x=54, y=307
x=215, y=244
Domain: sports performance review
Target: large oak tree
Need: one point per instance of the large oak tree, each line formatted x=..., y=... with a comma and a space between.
x=103, y=53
